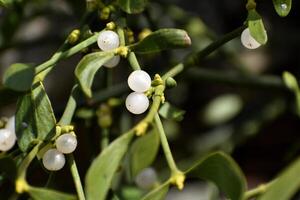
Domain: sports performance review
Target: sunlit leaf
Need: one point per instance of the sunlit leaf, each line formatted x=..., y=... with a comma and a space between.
x=162, y=39
x=47, y=194
x=34, y=117
x=19, y=77
x=100, y=174
x=87, y=68
x=286, y=185
x=143, y=151
x=256, y=27
x=290, y=81
x=221, y=169
x=158, y=193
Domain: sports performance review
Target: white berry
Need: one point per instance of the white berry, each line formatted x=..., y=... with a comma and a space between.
x=137, y=103
x=146, y=178
x=7, y=139
x=248, y=41
x=112, y=62
x=108, y=40
x=66, y=143
x=139, y=81
x=53, y=160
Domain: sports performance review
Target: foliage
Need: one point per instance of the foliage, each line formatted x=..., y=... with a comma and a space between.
x=126, y=149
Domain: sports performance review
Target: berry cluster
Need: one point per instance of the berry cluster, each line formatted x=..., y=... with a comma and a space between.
x=8, y=135
x=248, y=41
x=137, y=102
x=107, y=41
x=54, y=159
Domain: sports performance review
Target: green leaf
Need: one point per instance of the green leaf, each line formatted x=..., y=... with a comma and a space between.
x=162, y=39
x=47, y=194
x=132, y=6
x=19, y=77
x=143, y=151
x=168, y=111
x=286, y=185
x=256, y=27
x=25, y=122
x=8, y=167
x=223, y=171
x=290, y=81
x=5, y=3
x=158, y=193
x=87, y=68
x=282, y=7
x=43, y=114
x=34, y=117
x=100, y=174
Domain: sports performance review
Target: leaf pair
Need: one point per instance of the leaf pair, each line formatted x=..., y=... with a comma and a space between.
x=34, y=117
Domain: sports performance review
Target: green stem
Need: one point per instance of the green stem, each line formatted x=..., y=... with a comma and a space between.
x=195, y=58
x=256, y=191
x=112, y=91
x=65, y=54
x=133, y=61
x=105, y=138
x=76, y=177
x=21, y=175
x=66, y=120
x=174, y=71
x=157, y=99
x=71, y=106
x=165, y=144
x=121, y=34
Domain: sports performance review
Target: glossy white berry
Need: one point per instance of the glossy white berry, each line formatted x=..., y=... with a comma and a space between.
x=66, y=143
x=108, y=40
x=139, y=81
x=7, y=139
x=248, y=41
x=146, y=178
x=137, y=103
x=112, y=62
x=53, y=160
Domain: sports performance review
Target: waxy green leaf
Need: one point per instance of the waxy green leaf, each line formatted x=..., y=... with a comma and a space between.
x=221, y=169
x=282, y=7
x=158, y=193
x=290, y=81
x=162, y=39
x=256, y=27
x=100, y=174
x=47, y=194
x=132, y=6
x=286, y=185
x=19, y=77
x=34, y=117
x=87, y=68
x=143, y=151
